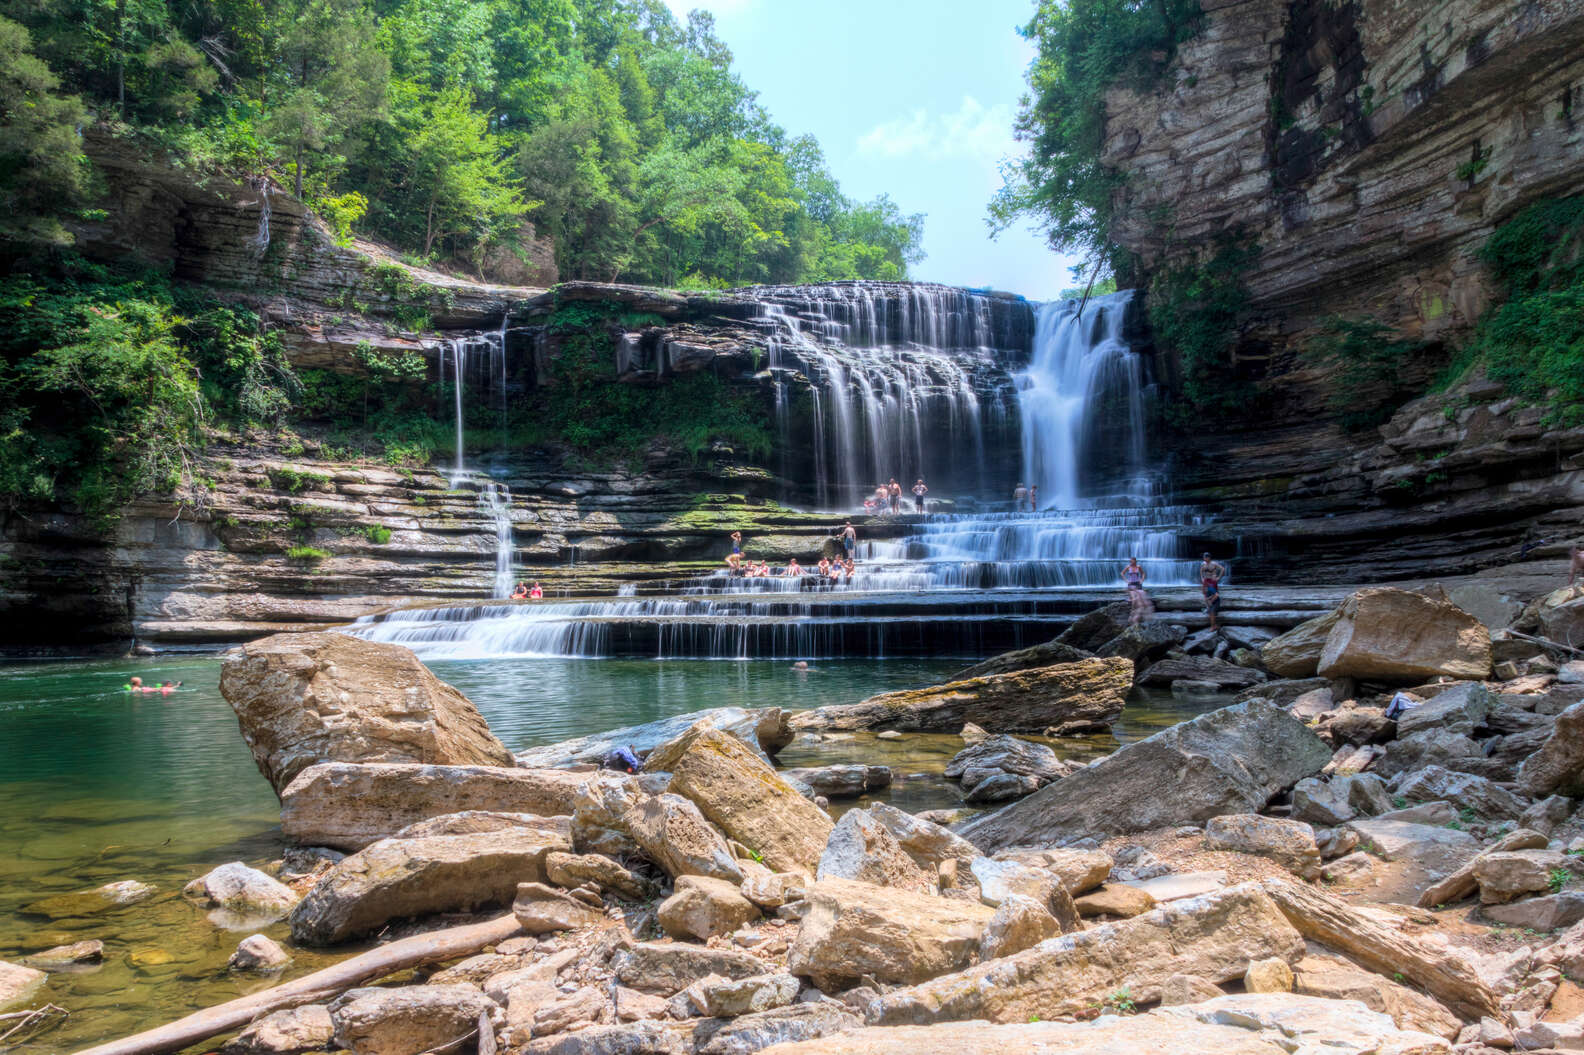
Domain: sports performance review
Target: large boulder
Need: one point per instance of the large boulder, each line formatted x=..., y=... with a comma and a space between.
x=1023, y=659
x=672, y=833
x=1464, y=791
x=1215, y=936
x=1460, y=709
x=1062, y=698
x=1142, y=641
x=855, y=929
x=348, y=805
x=1005, y=755
x=703, y=907
x=1561, y=615
x=599, y=814
x=400, y=877
x=1387, y=634
x=299, y=1029
x=1228, y=761
x=738, y=792
x=1558, y=767
x=1430, y=747
x=1429, y=852
x=762, y=727
x=936, y=850
x=1296, y=654
x=307, y=698
x=1093, y=629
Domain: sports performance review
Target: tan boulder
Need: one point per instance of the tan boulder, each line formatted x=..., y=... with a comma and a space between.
x=1188, y=989
x=894, y=936
x=1561, y=614
x=672, y=833
x=1062, y=698
x=348, y=805
x=1019, y=923
x=406, y=1020
x=703, y=907
x=1290, y=844
x=307, y=698
x=1387, y=634
x=1214, y=936
x=1334, y=978
x=1115, y=899
x=1270, y=975
x=395, y=878
x=306, y=1028
x=573, y=870
x=745, y=798
x=18, y=983
x=1296, y=654
x=543, y=909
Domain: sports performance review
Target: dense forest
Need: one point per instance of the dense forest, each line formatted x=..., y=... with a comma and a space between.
x=443, y=127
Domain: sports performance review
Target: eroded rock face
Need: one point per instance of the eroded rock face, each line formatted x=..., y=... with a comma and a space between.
x=1388, y=634
x=1214, y=937
x=735, y=790
x=350, y=805
x=1062, y=698
x=307, y=698
x=856, y=929
x=1228, y=761
x=395, y=878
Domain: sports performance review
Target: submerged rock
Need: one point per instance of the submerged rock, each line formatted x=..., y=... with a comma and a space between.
x=839, y=781
x=348, y=806
x=307, y=698
x=91, y=902
x=18, y=983
x=1063, y=698
x=257, y=952
x=236, y=886
x=1228, y=761
x=764, y=728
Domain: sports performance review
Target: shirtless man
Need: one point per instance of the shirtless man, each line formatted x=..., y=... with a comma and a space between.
x=894, y=490
x=1211, y=572
x=849, y=537
x=919, y=491
x=1019, y=496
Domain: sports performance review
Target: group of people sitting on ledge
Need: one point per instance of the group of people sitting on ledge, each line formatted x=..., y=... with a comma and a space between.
x=831, y=570
x=523, y=593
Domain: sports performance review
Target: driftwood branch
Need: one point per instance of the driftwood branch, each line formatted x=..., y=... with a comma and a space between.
x=322, y=985
x=1546, y=642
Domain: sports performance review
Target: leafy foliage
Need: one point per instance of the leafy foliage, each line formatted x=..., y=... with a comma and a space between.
x=1195, y=310
x=1371, y=369
x=445, y=126
x=1085, y=47
x=106, y=380
x=1534, y=342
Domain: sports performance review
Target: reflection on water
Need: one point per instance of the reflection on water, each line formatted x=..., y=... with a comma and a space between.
x=98, y=785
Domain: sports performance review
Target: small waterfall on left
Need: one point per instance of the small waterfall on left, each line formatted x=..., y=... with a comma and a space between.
x=497, y=499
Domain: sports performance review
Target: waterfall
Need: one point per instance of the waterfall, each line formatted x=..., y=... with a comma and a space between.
x=261, y=239
x=497, y=499
x=1083, y=404
x=491, y=374
x=897, y=381
x=459, y=376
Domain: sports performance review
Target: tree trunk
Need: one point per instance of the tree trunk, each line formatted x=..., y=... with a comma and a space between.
x=297, y=182
x=434, y=947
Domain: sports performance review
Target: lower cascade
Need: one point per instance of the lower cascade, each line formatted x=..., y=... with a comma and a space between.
x=957, y=582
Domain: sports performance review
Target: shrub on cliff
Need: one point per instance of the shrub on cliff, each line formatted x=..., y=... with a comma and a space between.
x=1534, y=342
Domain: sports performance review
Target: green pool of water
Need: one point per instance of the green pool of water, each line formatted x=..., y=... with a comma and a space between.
x=98, y=785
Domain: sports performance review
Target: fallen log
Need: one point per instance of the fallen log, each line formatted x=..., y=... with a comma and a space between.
x=1370, y=944
x=449, y=944
x=1545, y=642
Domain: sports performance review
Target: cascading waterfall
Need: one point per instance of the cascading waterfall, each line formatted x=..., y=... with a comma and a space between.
x=497, y=499
x=492, y=375
x=897, y=381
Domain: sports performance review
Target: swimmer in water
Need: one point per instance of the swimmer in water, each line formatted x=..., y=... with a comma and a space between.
x=801, y=666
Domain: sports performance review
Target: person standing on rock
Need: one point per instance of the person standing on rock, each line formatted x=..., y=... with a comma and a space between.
x=919, y=491
x=894, y=490
x=734, y=559
x=849, y=541
x=1211, y=572
x=1019, y=496
x=1139, y=606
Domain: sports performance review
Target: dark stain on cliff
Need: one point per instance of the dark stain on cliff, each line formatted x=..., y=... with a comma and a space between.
x=1316, y=114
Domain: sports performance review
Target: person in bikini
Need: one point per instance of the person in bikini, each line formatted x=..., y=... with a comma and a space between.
x=536, y=594
x=794, y=570
x=1211, y=572
x=1139, y=604
x=734, y=559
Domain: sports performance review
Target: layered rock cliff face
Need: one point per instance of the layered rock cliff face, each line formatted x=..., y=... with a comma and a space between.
x=1367, y=149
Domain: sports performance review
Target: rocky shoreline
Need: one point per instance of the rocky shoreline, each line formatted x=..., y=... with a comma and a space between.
x=1378, y=848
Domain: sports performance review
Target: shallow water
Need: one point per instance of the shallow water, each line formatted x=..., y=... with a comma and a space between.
x=98, y=785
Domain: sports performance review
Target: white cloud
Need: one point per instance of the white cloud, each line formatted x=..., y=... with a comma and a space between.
x=972, y=131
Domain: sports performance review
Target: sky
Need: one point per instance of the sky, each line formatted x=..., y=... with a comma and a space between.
x=911, y=98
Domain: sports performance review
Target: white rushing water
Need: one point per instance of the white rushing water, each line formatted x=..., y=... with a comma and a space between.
x=898, y=383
